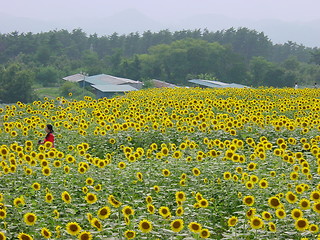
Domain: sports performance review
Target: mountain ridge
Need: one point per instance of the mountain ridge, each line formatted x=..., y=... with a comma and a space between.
x=131, y=20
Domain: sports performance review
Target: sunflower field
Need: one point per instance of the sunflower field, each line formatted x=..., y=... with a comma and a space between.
x=183, y=163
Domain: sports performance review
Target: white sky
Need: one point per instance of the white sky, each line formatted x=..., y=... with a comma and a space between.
x=165, y=10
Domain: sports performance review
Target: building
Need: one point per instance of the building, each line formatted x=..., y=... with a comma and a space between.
x=105, y=85
x=110, y=90
x=162, y=84
x=74, y=78
x=104, y=79
x=215, y=84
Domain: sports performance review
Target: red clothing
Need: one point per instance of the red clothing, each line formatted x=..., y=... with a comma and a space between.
x=49, y=138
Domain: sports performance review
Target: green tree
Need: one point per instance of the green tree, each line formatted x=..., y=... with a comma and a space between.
x=43, y=55
x=315, y=57
x=258, y=68
x=75, y=89
x=16, y=84
x=47, y=76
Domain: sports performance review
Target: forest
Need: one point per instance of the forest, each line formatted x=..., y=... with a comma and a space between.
x=29, y=61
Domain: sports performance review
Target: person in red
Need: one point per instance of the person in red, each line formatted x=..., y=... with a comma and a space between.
x=49, y=137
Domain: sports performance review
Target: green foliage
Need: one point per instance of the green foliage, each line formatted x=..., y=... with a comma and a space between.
x=232, y=55
x=16, y=84
x=76, y=91
x=147, y=84
x=47, y=76
x=315, y=58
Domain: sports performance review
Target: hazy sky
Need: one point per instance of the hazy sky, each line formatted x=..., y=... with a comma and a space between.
x=286, y=10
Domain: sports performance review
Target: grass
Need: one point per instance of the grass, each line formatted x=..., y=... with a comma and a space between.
x=50, y=92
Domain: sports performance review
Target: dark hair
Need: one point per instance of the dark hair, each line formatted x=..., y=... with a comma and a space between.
x=49, y=126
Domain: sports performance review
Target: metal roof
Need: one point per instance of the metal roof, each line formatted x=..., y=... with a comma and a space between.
x=205, y=83
x=160, y=84
x=74, y=78
x=114, y=88
x=217, y=84
x=236, y=85
x=102, y=79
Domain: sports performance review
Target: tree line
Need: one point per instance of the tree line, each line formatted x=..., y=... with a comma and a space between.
x=234, y=55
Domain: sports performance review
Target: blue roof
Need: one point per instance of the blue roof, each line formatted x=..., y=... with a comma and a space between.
x=205, y=83
x=216, y=84
x=114, y=88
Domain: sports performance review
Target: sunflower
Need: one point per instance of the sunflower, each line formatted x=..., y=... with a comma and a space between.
x=121, y=165
x=149, y=199
x=180, y=196
x=232, y=221
x=274, y=202
x=104, y=212
x=96, y=223
x=248, y=200
x=91, y=198
x=195, y=227
x=65, y=196
x=203, y=203
x=24, y=236
x=85, y=190
x=145, y=226
x=266, y=215
x=313, y=228
x=48, y=198
x=85, y=236
x=263, y=183
x=56, y=214
x=30, y=218
x=66, y=169
x=57, y=163
x=113, y=201
x=256, y=223
x=227, y=175
x=177, y=154
x=205, y=233
x=166, y=172
x=315, y=196
x=291, y=197
x=46, y=171
x=36, y=186
x=179, y=211
x=304, y=204
x=139, y=176
x=127, y=211
x=273, y=173
x=73, y=228
x=3, y=214
x=98, y=187
x=316, y=207
x=300, y=189
x=301, y=224
x=89, y=181
x=251, y=166
x=129, y=234
x=294, y=176
x=250, y=213
x=45, y=232
x=177, y=225
x=151, y=208
x=156, y=188
x=164, y=212
x=296, y=214
x=272, y=227
x=2, y=236
x=249, y=185
x=280, y=213
x=196, y=171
